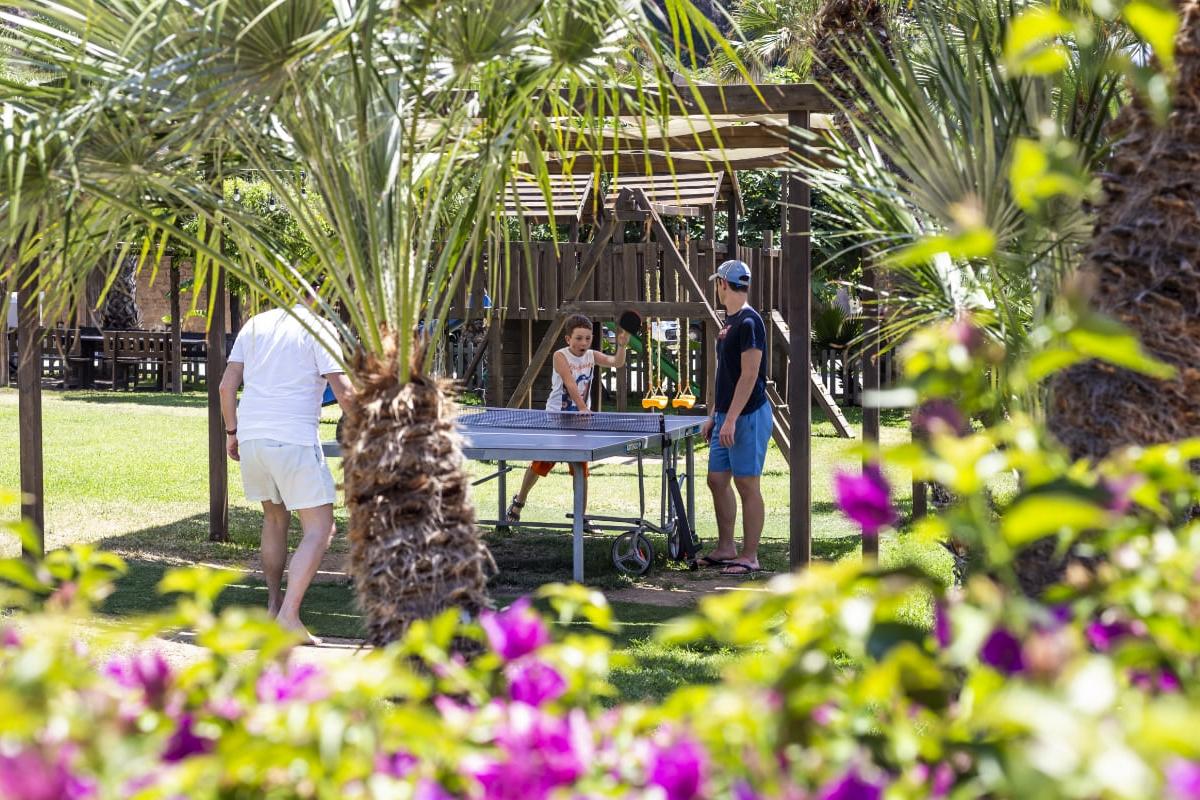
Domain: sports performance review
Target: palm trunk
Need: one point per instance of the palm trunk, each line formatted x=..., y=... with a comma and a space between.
x=1143, y=267
x=414, y=547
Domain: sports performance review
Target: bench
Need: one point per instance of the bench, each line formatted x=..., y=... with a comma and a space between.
x=143, y=356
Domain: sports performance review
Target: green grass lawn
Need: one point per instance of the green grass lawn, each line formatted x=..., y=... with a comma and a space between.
x=129, y=471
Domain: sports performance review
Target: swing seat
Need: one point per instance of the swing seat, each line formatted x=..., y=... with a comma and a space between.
x=684, y=401
x=654, y=401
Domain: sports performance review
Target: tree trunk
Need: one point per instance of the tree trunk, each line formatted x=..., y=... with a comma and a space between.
x=414, y=547
x=1143, y=269
x=121, y=312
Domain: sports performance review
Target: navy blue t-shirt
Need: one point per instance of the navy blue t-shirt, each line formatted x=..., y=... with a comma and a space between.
x=743, y=331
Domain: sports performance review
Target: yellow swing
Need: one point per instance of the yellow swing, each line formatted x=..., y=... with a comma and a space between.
x=684, y=397
x=655, y=396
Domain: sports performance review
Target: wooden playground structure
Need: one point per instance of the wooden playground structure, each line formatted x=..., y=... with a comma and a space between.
x=675, y=168
x=661, y=272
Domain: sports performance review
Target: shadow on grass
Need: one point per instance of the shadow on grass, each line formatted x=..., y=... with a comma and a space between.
x=186, y=400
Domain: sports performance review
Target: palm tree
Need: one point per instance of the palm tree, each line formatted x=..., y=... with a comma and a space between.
x=408, y=120
x=1143, y=268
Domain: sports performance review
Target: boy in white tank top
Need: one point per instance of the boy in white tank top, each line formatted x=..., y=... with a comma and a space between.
x=570, y=386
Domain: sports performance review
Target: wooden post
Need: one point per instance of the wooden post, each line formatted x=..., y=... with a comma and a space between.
x=495, y=384
x=29, y=402
x=4, y=333
x=176, y=333
x=797, y=269
x=218, y=469
x=870, y=367
x=597, y=344
x=732, y=245
x=527, y=351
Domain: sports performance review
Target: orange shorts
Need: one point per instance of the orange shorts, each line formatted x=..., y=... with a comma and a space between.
x=542, y=468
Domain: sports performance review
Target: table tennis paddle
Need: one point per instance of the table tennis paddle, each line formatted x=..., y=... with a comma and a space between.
x=630, y=322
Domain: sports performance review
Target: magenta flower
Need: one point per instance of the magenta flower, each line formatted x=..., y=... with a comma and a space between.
x=299, y=682
x=534, y=682
x=396, y=764
x=678, y=769
x=866, y=499
x=1119, y=492
x=942, y=783
x=851, y=786
x=965, y=332
x=823, y=714
x=430, y=790
x=185, y=743
x=742, y=790
x=1161, y=681
x=1002, y=652
x=516, y=631
x=539, y=752
x=1105, y=635
x=9, y=638
x=29, y=775
x=147, y=671
x=1183, y=779
x=939, y=416
x=941, y=624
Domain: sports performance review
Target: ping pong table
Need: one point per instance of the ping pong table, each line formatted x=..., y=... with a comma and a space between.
x=502, y=435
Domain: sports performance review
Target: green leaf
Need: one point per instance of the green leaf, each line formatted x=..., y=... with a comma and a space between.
x=974, y=242
x=203, y=583
x=1039, y=516
x=1096, y=336
x=1158, y=25
x=1031, y=48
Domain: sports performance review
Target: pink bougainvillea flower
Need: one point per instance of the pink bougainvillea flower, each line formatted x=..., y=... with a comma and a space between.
x=430, y=790
x=1182, y=778
x=1002, y=652
x=147, y=671
x=678, y=769
x=941, y=624
x=965, y=332
x=30, y=775
x=1118, y=492
x=534, y=682
x=516, y=631
x=9, y=638
x=939, y=416
x=295, y=682
x=866, y=499
x=742, y=790
x=851, y=786
x=397, y=764
x=185, y=742
x=538, y=752
x=1161, y=681
x=1104, y=635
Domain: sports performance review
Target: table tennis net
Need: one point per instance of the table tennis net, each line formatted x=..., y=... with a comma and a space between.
x=476, y=417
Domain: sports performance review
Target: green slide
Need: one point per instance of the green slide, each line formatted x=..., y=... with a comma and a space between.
x=665, y=366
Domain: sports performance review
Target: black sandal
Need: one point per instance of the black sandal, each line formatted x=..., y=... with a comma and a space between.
x=514, y=511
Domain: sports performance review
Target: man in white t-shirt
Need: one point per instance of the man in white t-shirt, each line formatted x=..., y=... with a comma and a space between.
x=273, y=432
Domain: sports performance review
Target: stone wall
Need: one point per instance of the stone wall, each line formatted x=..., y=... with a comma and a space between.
x=155, y=305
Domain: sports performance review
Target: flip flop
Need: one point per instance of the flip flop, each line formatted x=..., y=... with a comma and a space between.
x=705, y=561
x=740, y=569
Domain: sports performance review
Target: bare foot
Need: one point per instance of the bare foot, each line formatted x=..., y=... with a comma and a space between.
x=297, y=627
x=273, y=607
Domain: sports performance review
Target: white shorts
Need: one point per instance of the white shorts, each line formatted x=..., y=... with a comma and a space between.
x=293, y=475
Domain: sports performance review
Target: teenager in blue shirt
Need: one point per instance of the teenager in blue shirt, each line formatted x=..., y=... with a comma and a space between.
x=740, y=426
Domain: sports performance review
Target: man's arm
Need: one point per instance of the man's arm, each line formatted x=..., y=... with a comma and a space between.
x=343, y=390
x=569, y=385
x=231, y=381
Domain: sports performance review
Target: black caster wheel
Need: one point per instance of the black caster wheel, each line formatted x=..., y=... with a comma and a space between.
x=632, y=553
x=674, y=551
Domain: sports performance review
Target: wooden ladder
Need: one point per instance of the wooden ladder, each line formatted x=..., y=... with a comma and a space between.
x=819, y=391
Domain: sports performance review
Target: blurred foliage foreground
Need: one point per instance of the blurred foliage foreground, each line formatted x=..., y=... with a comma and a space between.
x=840, y=691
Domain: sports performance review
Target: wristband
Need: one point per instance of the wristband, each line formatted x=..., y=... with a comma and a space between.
x=231, y=433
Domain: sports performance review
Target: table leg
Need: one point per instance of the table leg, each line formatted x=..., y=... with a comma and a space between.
x=690, y=465
x=577, y=525
x=501, y=490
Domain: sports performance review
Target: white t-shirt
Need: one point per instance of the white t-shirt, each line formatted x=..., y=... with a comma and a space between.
x=283, y=377
x=581, y=370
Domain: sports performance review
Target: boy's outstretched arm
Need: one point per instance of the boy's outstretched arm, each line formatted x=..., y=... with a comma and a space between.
x=618, y=360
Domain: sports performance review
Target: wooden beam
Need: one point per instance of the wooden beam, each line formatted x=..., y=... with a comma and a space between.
x=218, y=468
x=739, y=99
x=797, y=263
x=672, y=255
x=176, y=333
x=495, y=382
x=611, y=309
x=870, y=366
x=29, y=402
x=586, y=267
x=4, y=297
